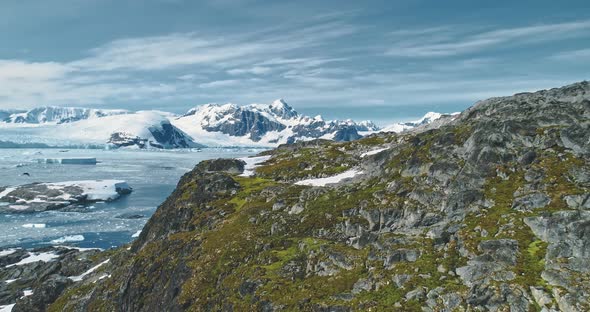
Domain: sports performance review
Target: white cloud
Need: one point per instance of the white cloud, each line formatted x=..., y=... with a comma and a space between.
x=156, y=53
x=439, y=42
x=575, y=55
x=255, y=70
x=220, y=83
x=19, y=70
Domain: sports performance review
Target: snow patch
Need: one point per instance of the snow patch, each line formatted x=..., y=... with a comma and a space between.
x=7, y=252
x=7, y=308
x=374, y=152
x=94, y=268
x=251, y=164
x=35, y=257
x=330, y=180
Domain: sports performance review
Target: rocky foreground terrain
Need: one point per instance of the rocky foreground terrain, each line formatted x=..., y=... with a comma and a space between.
x=489, y=211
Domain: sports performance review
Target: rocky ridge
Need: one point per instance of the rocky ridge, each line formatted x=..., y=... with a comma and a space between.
x=486, y=212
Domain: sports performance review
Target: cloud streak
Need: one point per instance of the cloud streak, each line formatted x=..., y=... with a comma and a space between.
x=440, y=42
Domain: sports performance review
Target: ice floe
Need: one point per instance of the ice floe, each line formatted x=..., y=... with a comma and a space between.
x=69, y=238
x=34, y=225
x=51, y=196
x=68, y=161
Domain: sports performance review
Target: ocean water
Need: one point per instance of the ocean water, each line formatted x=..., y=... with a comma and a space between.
x=153, y=175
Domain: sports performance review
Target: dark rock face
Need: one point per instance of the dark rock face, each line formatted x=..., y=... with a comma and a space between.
x=489, y=212
x=168, y=136
x=121, y=139
x=45, y=280
x=44, y=294
x=165, y=136
x=232, y=166
x=345, y=134
x=251, y=123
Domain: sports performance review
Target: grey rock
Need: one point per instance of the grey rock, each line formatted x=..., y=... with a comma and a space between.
x=363, y=284
x=416, y=294
x=400, y=279
x=531, y=201
x=401, y=255
x=578, y=201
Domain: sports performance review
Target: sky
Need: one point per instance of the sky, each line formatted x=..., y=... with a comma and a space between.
x=384, y=60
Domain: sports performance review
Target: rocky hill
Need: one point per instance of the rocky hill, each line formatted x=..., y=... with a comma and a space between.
x=488, y=212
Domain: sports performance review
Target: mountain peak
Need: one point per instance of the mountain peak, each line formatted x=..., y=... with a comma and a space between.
x=282, y=110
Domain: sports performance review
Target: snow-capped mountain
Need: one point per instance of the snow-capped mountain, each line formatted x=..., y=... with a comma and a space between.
x=6, y=113
x=429, y=118
x=82, y=127
x=59, y=115
x=263, y=125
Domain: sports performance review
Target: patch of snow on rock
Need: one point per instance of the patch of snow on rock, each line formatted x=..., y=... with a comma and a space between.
x=35, y=257
x=94, y=268
x=7, y=308
x=251, y=164
x=374, y=152
x=330, y=180
x=7, y=252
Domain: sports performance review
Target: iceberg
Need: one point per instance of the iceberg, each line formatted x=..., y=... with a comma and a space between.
x=51, y=196
x=68, y=161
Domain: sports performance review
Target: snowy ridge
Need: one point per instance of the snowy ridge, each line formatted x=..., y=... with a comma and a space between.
x=142, y=129
x=213, y=125
x=404, y=126
x=263, y=125
x=59, y=115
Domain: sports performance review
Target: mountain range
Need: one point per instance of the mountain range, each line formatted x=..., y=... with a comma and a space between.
x=210, y=125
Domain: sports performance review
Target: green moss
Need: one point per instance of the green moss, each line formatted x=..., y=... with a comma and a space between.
x=462, y=133
x=557, y=184
x=307, y=162
x=532, y=264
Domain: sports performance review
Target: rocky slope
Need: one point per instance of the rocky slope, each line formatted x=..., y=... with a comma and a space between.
x=488, y=212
